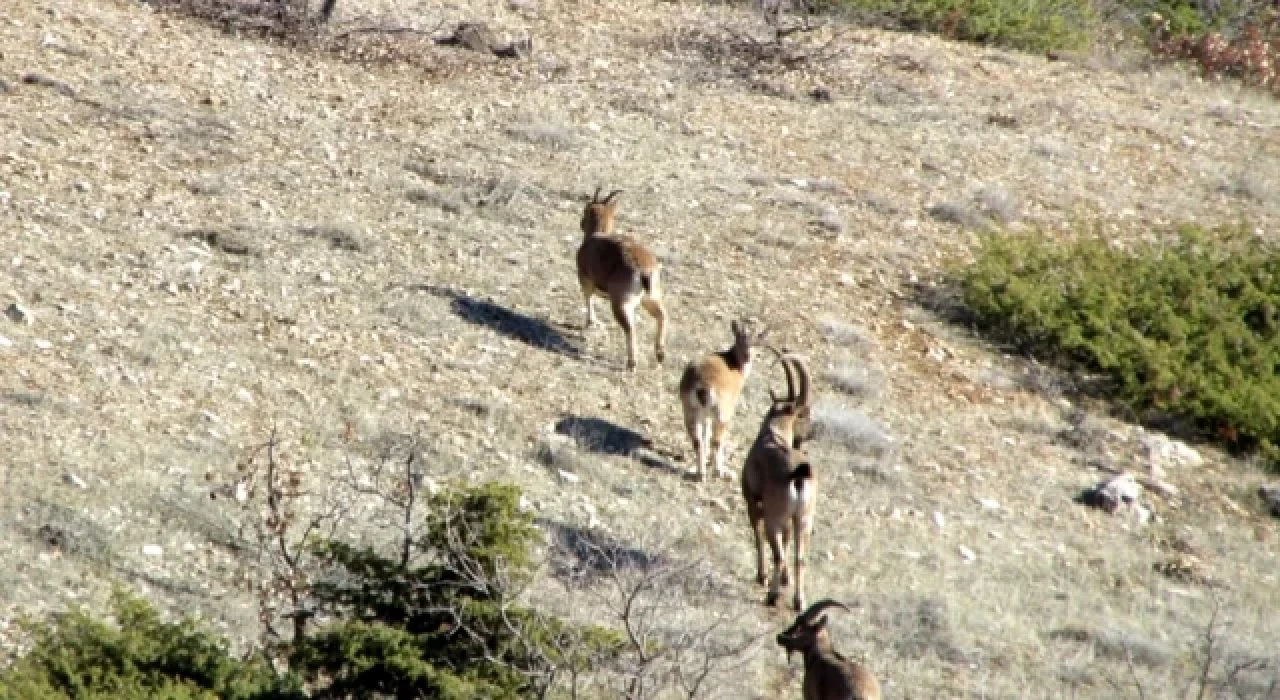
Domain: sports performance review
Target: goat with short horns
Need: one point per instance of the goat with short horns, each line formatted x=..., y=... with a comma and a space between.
x=622, y=269
x=709, y=391
x=827, y=674
x=778, y=483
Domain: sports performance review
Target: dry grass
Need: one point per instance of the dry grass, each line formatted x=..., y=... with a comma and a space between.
x=218, y=235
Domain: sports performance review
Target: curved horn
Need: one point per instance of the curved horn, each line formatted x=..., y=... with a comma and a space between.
x=802, y=374
x=612, y=194
x=595, y=198
x=818, y=607
x=786, y=368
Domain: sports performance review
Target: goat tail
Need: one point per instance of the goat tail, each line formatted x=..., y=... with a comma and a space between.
x=802, y=473
x=703, y=395
x=650, y=282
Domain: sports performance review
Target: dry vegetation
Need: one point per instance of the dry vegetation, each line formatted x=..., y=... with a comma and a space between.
x=214, y=236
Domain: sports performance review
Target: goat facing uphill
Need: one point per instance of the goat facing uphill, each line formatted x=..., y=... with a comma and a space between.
x=622, y=269
x=709, y=392
x=827, y=674
x=778, y=483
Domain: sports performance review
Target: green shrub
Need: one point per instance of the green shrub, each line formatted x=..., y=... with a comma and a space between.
x=436, y=619
x=138, y=658
x=1030, y=25
x=1187, y=329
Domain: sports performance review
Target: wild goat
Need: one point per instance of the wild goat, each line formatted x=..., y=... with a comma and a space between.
x=778, y=483
x=827, y=674
x=709, y=391
x=622, y=269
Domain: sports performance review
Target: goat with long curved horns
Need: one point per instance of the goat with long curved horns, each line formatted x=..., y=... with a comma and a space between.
x=828, y=675
x=778, y=483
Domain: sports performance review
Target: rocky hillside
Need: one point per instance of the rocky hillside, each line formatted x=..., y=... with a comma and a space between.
x=206, y=237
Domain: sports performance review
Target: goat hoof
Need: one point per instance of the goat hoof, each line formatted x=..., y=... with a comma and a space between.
x=662, y=356
x=784, y=579
x=799, y=603
x=761, y=579
x=771, y=599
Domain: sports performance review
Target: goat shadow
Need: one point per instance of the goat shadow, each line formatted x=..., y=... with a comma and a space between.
x=583, y=556
x=605, y=437
x=531, y=331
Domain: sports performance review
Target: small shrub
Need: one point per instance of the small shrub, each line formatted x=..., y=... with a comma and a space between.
x=855, y=381
x=434, y=616
x=139, y=657
x=1250, y=54
x=849, y=427
x=961, y=214
x=1188, y=330
x=999, y=204
x=437, y=618
x=846, y=334
x=1029, y=25
x=552, y=136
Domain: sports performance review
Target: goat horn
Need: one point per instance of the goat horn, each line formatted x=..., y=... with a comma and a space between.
x=786, y=368
x=802, y=373
x=612, y=194
x=595, y=198
x=818, y=607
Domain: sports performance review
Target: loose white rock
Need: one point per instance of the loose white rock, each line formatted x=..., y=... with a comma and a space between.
x=1162, y=451
x=967, y=553
x=153, y=550
x=75, y=480
x=568, y=477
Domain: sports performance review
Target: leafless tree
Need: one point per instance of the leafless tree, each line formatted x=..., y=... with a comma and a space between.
x=660, y=603
x=276, y=515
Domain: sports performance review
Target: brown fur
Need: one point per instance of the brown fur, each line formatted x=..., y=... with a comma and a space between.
x=622, y=269
x=709, y=391
x=828, y=675
x=780, y=489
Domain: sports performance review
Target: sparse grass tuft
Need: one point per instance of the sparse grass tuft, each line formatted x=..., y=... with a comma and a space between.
x=1187, y=332
x=999, y=204
x=850, y=427
x=550, y=135
x=1249, y=185
x=444, y=201
x=846, y=334
x=558, y=455
x=1118, y=645
x=855, y=381
x=961, y=214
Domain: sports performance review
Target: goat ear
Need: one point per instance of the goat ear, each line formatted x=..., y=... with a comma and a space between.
x=821, y=623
